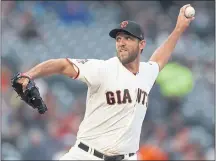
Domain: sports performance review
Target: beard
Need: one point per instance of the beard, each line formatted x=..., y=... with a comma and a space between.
x=127, y=58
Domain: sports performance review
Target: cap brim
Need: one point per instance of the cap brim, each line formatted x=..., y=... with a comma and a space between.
x=114, y=32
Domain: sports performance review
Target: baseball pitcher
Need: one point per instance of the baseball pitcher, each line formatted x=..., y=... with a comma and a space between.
x=118, y=90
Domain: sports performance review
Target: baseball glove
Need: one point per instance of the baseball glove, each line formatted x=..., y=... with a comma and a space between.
x=31, y=95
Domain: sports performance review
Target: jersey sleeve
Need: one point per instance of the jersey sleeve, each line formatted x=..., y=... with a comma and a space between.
x=89, y=71
x=152, y=73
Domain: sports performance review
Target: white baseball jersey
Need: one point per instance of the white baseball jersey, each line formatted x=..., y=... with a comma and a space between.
x=116, y=104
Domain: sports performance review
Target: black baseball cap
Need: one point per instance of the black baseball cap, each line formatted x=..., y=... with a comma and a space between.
x=129, y=27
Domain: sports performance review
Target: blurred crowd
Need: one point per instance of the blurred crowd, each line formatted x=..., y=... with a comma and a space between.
x=179, y=123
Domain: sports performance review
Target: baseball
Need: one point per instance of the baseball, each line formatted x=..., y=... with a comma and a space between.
x=189, y=12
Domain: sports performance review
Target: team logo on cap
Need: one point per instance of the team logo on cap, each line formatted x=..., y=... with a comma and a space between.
x=124, y=24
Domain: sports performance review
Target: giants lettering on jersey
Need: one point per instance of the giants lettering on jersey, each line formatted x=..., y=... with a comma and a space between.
x=116, y=97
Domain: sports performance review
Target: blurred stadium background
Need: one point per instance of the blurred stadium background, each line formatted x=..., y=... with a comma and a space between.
x=179, y=123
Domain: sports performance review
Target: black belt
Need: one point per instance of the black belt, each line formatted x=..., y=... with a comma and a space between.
x=101, y=155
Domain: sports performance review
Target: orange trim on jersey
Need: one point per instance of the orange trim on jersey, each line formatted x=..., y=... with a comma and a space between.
x=76, y=66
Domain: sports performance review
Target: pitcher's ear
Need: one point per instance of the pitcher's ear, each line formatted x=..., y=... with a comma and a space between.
x=142, y=44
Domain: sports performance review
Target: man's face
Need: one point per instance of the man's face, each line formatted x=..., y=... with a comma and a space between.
x=127, y=47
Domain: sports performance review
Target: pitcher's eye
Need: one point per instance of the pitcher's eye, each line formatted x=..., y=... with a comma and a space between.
x=128, y=38
x=118, y=38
